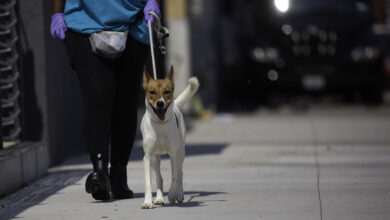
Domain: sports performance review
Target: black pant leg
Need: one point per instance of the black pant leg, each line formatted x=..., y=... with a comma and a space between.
x=128, y=73
x=97, y=86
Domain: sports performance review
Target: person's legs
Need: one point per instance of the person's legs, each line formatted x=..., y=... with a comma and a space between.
x=128, y=74
x=97, y=86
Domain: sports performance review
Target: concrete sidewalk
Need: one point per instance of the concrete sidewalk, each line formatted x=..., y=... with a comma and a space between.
x=324, y=164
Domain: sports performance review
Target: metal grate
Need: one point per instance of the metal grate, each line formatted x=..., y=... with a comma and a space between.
x=9, y=72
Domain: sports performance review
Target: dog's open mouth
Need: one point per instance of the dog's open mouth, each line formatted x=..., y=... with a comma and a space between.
x=160, y=113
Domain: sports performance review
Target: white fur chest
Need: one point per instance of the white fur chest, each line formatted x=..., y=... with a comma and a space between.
x=161, y=138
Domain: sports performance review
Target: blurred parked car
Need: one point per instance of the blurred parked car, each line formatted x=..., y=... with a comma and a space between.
x=315, y=47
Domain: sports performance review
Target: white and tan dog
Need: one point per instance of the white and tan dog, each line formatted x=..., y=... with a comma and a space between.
x=163, y=131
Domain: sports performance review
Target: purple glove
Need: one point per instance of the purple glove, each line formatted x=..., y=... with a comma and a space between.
x=153, y=6
x=57, y=27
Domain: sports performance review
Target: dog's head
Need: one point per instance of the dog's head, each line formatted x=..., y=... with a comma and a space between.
x=159, y=94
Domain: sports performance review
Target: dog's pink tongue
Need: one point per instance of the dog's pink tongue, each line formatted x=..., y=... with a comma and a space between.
x=160, y=115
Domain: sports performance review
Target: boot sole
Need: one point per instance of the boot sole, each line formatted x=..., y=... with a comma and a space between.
x=99, y=190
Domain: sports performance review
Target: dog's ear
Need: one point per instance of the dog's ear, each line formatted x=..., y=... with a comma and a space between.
x=170, y=77
x=170, y=74
x=146, y=78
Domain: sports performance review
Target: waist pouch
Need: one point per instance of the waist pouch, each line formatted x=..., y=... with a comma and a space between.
x=108, y=44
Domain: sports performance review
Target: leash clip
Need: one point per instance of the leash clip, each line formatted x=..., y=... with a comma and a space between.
x=161, y=32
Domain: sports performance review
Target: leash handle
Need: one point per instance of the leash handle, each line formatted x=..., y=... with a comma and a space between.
x=151, y=48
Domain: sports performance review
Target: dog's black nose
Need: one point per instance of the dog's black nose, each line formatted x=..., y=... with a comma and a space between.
x=160, y=104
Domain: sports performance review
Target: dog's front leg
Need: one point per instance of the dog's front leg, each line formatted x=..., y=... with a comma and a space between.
x=156, y=167
x=180, y=160
x=174, y=182
x=148, y=188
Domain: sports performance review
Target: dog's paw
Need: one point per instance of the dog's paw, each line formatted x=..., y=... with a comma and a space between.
x=180, y=200
x=158, y=202
x=147, y=206
x=180, y=195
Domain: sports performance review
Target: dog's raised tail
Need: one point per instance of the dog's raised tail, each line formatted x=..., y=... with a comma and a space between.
x=188, y=92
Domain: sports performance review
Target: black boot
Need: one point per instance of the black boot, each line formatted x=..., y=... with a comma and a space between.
x=118, y=179
x=98, y=183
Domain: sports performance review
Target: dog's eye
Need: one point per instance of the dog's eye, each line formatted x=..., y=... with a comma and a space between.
x=167, y=92
x=152, y=92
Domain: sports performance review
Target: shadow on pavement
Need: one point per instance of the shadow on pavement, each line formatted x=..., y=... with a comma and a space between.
x=38, y=191
x=191, y=199
x=194, y=199
x=191, y=150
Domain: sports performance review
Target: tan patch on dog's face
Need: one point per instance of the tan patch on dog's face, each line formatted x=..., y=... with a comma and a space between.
x=157, y=89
